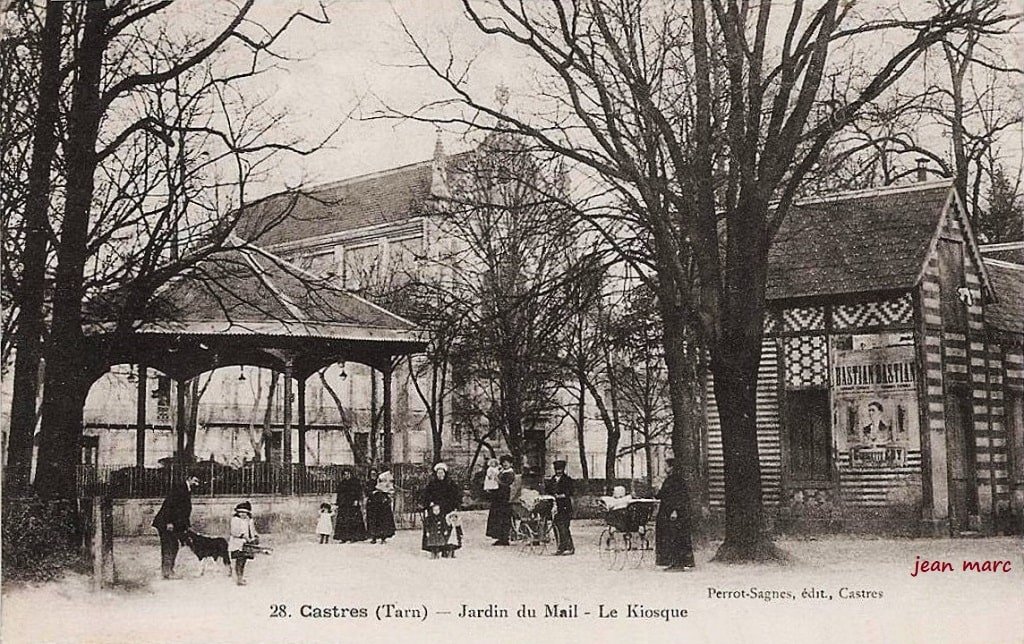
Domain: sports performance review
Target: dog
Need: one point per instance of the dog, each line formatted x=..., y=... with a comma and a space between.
x=204, y=547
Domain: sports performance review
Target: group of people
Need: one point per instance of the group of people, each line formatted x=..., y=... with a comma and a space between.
x=346, y=523
x=505, y=490
x=441, y=500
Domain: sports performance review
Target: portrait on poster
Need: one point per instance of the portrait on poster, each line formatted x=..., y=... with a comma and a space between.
x=876, y=409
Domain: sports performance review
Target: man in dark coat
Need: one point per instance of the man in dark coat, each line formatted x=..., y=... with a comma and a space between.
x=171, y=522
x=673, y=544
x=560, y=486
x=499, y=517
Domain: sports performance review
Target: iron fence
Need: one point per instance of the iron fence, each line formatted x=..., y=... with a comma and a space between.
x=132, y=482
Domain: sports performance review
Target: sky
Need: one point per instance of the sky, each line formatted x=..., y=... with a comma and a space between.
x=357, y=65
x=348, y=70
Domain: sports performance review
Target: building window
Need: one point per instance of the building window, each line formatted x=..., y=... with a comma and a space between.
x=809, y=434
x=162, y=394
x=90, y=450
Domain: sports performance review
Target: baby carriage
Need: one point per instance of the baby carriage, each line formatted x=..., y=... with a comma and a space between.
x=627, y=536
x=532, y=523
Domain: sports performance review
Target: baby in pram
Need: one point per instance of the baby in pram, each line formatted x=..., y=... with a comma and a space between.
x=617, y=509
x=534, y=510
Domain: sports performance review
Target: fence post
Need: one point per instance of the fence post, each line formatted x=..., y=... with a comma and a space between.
x=102, y=541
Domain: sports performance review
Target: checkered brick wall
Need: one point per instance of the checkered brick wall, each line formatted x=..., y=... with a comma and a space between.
x=810, y=318
x=898, y=310
x=805, y=361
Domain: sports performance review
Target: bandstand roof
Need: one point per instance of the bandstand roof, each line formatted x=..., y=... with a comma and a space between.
x=247, y=306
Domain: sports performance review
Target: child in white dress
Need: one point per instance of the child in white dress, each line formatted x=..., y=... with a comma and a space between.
x=325, y=525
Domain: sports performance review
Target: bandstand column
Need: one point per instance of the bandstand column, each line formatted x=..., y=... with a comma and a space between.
x=180, y=417
x=388, y=370
x=286, y=434
x=301, y=383
x=142, y=395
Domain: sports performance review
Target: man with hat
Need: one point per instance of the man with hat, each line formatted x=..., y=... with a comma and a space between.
x=171, y=522
x=560, y=486
x=673, y=545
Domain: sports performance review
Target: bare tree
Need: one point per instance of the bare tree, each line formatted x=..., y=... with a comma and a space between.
x=706, y=116
x=515, y=273
x=1004, y=216
x=953, y=113
x=35, y=121
x=345, y=415
x=150, y=120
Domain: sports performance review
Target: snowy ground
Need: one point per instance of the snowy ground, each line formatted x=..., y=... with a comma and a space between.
x=932, y=607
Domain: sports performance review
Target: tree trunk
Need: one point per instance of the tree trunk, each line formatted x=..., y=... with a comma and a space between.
x=60, y=443
x=613, y=430
x=358, y=453
x=611, y=456
x=436, y=444
x=736, y=395
x=649, y=457
x=67, y=375
x=268, y=416
x=31, y=325
x=735, y=359
x=581, y=410
x=677, y=364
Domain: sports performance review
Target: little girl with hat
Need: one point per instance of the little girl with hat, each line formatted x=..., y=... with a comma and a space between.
x=243, y=531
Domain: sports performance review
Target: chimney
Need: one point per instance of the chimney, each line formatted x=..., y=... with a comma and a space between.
x=439, y=173
x=922, y=169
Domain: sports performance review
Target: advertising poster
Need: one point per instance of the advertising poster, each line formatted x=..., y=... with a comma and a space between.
x=875, y=398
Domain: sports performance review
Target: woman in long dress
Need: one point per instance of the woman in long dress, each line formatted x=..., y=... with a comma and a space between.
x=499, y=518
x=673, y=543
x=349, y=522
x=380, y=518
x=440, y=498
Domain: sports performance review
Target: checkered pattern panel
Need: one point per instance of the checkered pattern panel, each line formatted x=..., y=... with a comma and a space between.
x=805, y=360
x=898, y=310
x=804, y=319
x=771, y=322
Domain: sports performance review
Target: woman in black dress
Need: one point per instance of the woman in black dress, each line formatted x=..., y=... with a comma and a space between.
x=499, y=518
x=349, y=523
x=440, y=497
x=380, y=518
x=673, y=544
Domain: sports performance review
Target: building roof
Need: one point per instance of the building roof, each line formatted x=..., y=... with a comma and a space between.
x=244, y=305
x=1012, y=252
x=856, y=242
x=1007, y=312
x=382, y=197
x=247, y=290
